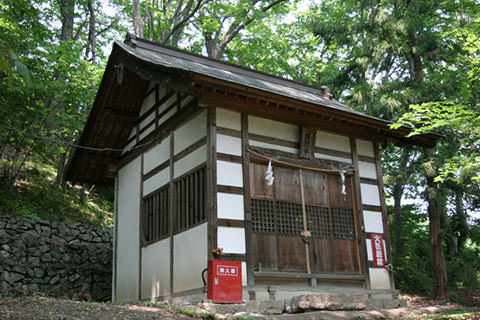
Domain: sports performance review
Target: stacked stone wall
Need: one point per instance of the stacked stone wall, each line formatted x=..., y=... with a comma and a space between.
x=57, y=258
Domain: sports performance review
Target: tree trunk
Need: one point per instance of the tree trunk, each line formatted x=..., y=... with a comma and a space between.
x=92, y=31
x=461, y=219
x=137, y=18
x=398, y=189
x=434, y=214
x=67, y=13
x=60, y=169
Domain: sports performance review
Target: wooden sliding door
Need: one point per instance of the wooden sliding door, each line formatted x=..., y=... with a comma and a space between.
x=278, y=222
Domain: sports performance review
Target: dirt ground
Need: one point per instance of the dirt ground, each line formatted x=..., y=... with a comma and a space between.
x=43, y=308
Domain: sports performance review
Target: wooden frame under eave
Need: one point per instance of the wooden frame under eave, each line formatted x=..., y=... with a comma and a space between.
x=211, y=180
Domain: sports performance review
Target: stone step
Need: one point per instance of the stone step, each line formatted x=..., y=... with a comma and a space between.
x=306, y=302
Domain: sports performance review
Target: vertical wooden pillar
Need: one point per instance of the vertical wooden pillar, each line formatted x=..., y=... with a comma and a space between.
x=115, y=242
x=381, y=190
x=246, y=200
x=212, y=180
x=171, y=213
x=434, y=215
x=359, y=209
x=140, y=238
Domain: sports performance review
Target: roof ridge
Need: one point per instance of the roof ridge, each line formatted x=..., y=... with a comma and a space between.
x=133, y=41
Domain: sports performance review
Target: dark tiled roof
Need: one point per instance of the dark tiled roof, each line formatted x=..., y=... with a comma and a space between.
x=180, y=60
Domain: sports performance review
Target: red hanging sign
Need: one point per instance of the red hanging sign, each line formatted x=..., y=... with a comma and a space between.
x=378, y=250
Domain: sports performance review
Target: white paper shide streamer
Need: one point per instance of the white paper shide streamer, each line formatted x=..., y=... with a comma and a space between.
x=269, y=174
x=344, y=187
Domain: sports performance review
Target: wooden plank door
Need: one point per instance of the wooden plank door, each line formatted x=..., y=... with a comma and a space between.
x=277, y=222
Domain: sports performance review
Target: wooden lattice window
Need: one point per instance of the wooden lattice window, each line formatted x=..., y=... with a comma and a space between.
x=191, y=199
x=307, y=143
x=318, y=221
x=343, y=223
x=290, y=219
x=155, y=216
x=263, y=215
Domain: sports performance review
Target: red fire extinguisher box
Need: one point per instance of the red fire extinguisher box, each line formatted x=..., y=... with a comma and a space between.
x=224, y=283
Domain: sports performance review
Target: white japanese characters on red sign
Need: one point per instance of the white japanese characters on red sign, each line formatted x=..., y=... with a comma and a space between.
x=230, y=271
x=378, y=251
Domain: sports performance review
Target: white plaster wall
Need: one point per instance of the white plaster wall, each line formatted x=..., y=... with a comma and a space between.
x=194, y=159
x=332, y=141
x=244, y=273
x=365, y=148
x=370, y=194
x=167, y=103
x=367, y=170
x=156, y=181
x=127, y=237
x=167, y=116
x=230, y=206
x=229, y=145
x=273, y=146
x=329, y=157
x=148, y=103
x=129, y=146
x=271, y=128
x=228, y=119
x=373, y=221
x=379, y=278
x=147, y=120
x=231, y=239
x=229, y=174
x=156, y=269
x=190, y=258
x=156, y=155
x=185, y=101
x=147, y=131
x=190, y=132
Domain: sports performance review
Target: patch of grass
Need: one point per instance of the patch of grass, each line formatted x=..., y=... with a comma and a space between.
x=455, y=315
x=33, y=197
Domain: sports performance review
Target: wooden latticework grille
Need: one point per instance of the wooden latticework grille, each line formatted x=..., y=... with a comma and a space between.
x=191, y=198
x=155, y=216
x=263, y=215
x=290, y=220
x=343, y=223
x=318, y=221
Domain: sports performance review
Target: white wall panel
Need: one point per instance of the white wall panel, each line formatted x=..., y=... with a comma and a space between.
x=232, y=240
x=273, y=129
x=229, y=174
x=187, y=163
x=244, y=273
x=329, y=157
x=167, y=103
x=230, y=206
x=156, y=181
x=254, y=143
x=228, y=119
x=190, y=132
x=365, y=148
x=370, y=194
x=129, y=146
x=147, y=131
x=190, y=258
x=229, y=145
x=147, y=120
x=167, y=116
x=185, y=101
x=379, y=278
x=332, y=141
x=373, y=221
x=367, y=170
x=156, y=155
x=156, y=269
x=127, y=237
x=148, y=103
